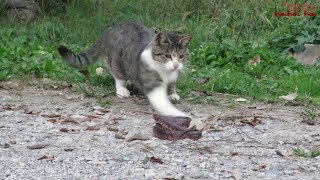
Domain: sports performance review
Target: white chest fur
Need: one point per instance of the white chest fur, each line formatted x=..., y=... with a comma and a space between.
x=166, y=75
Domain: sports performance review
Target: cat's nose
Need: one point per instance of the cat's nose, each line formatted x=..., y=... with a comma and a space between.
x=175, y=66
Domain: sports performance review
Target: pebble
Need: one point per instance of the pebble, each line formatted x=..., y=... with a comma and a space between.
x=4, y=144
x=135, y=135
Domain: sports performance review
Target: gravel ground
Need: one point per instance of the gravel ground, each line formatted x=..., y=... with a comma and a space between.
x=55, y=133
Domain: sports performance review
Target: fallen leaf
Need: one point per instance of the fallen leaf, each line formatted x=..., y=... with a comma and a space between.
x=54, y=121
x=234, y=153
x=78, y=118
x=65, y=130
x=68, y=149
x=51, y=115
x=279, y=153
x=11, y=85
x=53, y=86
x=198, y=123
x=290, y=96
x=241, y=99
x=254, y=61
x=259, y=167
x=38, y=146
x=253, y=121
x=155, y=160
x=49, y=158
x=113, y=129
x=69, y=121
x=86, y=73
x=91, y=116
x=92, y=128
x=186, y=15
x=202, y=80
x=119, y=136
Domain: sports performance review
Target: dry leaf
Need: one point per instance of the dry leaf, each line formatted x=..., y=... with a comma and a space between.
x=54, y=121
x=53, y=86
x=65, y=130
x=86, y=73
x=259, y=167
x=202, y=80
x=155, y=160
x=119, y=136
x=234, y=153
x=11, y=85
x=68, y=149
x=253, y=121
x=51, y=115
x=92, y=128
x=70, y=121
x=38, y=146
x=290, y=96
x=49, y=158
x=186, y=15
x=91, y=116
x=254, y=61
x=241, y=99
x=279, y=153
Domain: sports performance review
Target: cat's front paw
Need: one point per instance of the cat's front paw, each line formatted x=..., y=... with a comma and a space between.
x=123, y=93
x=174, y=97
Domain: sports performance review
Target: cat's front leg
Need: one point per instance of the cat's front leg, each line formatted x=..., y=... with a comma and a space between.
x=172, y=92
x=158, y=98
x=121, y=90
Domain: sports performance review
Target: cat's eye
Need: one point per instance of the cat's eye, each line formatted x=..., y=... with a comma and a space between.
x=181, y=56
x=168, y=56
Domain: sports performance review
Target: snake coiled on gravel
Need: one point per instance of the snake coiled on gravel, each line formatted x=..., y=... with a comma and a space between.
x=174, y=128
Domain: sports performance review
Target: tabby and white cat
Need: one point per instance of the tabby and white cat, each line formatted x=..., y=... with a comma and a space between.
x=133, y=53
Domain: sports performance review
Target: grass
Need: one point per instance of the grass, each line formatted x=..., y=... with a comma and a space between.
x=226, y=35
x=303, y=153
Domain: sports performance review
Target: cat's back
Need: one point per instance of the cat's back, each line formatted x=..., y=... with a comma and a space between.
x=128, y=34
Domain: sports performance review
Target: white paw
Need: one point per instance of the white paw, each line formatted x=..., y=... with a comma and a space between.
x=174, y=97
x=123, y=92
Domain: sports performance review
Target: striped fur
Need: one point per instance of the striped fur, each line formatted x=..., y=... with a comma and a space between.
x=82, y=60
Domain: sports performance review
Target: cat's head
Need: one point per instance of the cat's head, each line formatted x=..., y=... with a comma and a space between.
x=170, y=50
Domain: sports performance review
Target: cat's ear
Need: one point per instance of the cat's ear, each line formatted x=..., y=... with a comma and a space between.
x=185, y=40
x=161, y=38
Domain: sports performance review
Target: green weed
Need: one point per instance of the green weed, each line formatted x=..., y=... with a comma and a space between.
x=302, y=153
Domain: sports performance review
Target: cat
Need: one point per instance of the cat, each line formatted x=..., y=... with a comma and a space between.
x=148, y=59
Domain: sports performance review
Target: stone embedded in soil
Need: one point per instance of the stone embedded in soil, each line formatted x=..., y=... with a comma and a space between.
x=135, y=135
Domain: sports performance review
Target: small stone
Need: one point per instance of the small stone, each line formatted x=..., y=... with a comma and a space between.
x=135, y=135
x=150, y=175
x=307, y=138
x=4, y=144
x=203, y=165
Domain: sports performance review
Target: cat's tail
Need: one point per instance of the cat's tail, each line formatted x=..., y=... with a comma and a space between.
x=79, y=61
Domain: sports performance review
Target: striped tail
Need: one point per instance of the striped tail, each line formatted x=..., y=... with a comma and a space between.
x=79, y=61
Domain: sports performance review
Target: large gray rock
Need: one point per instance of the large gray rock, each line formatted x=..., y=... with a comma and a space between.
x=310, y=55
x=25, y=10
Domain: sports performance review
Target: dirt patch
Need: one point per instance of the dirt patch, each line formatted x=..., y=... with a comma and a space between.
x=58, y=134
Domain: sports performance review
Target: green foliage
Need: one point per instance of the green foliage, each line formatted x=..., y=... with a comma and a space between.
x=292, y=37
x=302, y=153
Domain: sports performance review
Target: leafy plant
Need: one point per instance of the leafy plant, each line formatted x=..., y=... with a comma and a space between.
x=302, y=153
